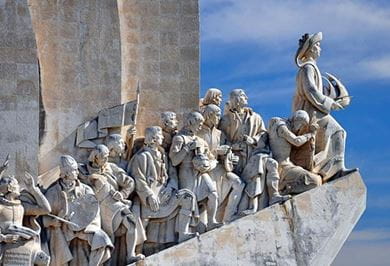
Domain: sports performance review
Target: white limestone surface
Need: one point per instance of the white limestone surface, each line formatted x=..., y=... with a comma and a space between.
x=310, y=229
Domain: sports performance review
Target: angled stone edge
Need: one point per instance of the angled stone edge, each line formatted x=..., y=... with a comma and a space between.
x=309, y=229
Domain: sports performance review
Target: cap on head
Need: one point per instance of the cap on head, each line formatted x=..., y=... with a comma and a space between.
x=305, y=43
x=67, y=162
x=301, y=115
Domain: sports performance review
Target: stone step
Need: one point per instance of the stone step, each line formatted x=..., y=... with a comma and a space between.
x=309, y=229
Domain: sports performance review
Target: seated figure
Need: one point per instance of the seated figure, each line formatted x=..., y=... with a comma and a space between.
x=166, y=210
x=19, y=230
x=282, y=136
x=112, y=187
x=74, y=233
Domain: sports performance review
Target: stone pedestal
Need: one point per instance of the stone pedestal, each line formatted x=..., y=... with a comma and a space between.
x=310, y=229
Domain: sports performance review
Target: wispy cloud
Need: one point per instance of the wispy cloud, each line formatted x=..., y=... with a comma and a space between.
x=368, y=247
x=355, y=32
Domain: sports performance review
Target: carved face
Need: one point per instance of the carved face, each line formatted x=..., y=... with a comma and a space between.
x=171, y=122
x=9, y=185
x=117, y=147
x=217, y=99
x=214, y=118
x=316, y=50
x=240, y=99
x=101, y=159
x=159, y=138
x=69, y=173
x=298, y=124
x=196, y=125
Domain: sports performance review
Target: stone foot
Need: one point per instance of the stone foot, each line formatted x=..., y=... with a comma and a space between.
x=136, y=258
x=212, y=226
x=187, y=236
x=342, y=172
x=279, y=199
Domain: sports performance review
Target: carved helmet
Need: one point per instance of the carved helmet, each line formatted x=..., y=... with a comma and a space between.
x=305, y=43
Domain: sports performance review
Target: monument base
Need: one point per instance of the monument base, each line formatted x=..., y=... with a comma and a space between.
x=309, y=229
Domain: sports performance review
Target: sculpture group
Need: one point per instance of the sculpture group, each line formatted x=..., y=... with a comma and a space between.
x=135, y=196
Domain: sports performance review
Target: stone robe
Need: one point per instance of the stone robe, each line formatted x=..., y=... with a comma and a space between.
x=153, y=175
x=235, y=126
x=69, y=247
x=310, y=96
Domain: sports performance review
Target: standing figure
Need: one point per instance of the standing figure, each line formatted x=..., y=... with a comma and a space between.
x=169, y=128
x=229, y=185
x=242, y=128
x=311, y=96
x=184, y=146
x=19, y=230
x=112, y=187
x=166, y=210
x=282, y=137
x=75, y=236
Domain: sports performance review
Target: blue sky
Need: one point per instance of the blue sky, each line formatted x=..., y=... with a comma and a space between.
x=251, y=44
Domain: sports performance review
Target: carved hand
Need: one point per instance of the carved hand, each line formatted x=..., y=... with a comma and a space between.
x=117, y=196
x=126, y=181
x=166, y=194
x=9, y=238
x=29, y=180
x=131, y=131
x=154, y=203
x=249, y=140
x=192, y=145
x=337, y=106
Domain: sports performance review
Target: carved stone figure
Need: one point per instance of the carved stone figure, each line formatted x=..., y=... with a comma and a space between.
x=112, y=187
x=169, y=128
x=242, y=128
x=204, y=188
x=74, y=233
x=184, y=146
x=262, y=179
x=116, y=145
x=229, y=185
x=166, y=209
x=311, y=96
x=213, y=96
x=282, y=136
x=19, y=231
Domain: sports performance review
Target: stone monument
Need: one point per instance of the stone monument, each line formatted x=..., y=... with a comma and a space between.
x=94, y=93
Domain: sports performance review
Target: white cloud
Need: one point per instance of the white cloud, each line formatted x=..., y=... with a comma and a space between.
x=368, y=247
x=356, y=33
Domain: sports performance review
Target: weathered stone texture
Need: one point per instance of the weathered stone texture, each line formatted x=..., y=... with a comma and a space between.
x=19, y=88
x=79, y=52
x=308, y=230
x=160, y=49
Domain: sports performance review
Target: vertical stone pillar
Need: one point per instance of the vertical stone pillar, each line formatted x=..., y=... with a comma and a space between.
x=19, y=88
x=79, y=52
x=160, y=49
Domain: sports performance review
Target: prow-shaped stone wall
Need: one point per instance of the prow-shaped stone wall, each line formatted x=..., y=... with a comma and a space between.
x=309, y=229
